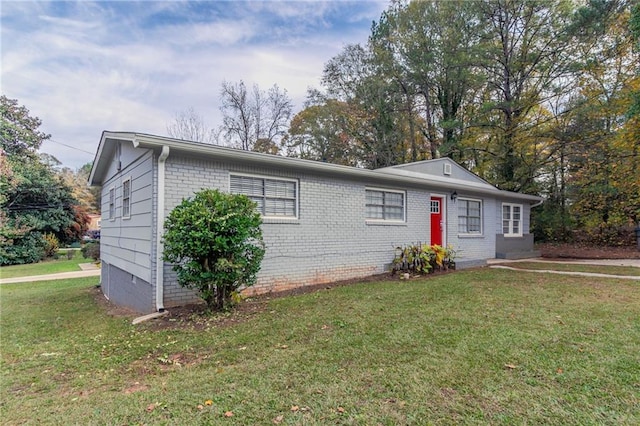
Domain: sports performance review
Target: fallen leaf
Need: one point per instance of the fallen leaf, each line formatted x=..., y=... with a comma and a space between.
x=510, y=366
x=325, y=326
x=284, y=346
x=278, y=420
x=294, y=408
x=200, y=407
x=208, y=402
x=560, y=371
x=228, y=414
x=151, y=407
x=340, y=410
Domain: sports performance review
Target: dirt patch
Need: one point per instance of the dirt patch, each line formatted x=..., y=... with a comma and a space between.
x=578, y=251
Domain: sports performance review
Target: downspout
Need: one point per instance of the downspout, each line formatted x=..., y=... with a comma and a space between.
x=159, y=246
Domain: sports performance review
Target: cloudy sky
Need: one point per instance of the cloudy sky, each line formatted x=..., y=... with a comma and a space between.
x=83, y=67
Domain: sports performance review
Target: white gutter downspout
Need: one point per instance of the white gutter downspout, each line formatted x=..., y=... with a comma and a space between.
x=159, y=246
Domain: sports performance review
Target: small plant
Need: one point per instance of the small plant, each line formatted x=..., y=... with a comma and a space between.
x=91, y=251
x=51, y=245
x=71, y=254
x=423, y=259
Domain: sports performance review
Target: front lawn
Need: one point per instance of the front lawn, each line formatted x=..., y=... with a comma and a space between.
x=473, y=347
x=49, y=266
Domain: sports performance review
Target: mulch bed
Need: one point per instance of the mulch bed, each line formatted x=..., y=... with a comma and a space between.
x=578, y=251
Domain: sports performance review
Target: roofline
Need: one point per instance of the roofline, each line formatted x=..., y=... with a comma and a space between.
x=224, y=153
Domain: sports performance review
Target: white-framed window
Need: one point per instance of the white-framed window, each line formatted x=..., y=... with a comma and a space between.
x=126, y=198
x=469, y=216
x=112, y=203
x=384, y=204
x=512, y=220
x=275, y=197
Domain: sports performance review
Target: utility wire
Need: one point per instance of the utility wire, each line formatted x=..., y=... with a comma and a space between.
x=72, y=147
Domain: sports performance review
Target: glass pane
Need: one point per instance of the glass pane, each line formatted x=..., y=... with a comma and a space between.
x=247, y=185
x=516, y=227
x=374, y=212
x=280, y=207
x=394, y=213
x=374, y=197
x=394, y=199
x=506, y=212
x=516, y=212
x=505, y=226
x=280, y=189
x=462, y=224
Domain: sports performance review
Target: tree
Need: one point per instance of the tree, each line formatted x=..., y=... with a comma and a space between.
x=252, y=116
x=19, y=134
x=189, y=125
x=323, y=133
x=214, y=242
x=35, y=199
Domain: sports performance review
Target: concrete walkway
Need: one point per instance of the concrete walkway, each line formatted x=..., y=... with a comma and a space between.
x=503, y=264
x=88, y=270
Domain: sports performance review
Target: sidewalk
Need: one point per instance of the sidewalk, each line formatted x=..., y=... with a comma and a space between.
x=502, y=264
x=88, y=270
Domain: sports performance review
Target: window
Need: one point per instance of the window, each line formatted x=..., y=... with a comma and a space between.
x=435, y=206
x=469, y=216
x=112, y=203
x=275, y=197
x=384, y=205
x=126, y=199
x=512, y=220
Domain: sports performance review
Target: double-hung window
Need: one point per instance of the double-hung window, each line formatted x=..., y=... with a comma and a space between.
x=126, y=198
x=277, y=198
x=112, y=203
x=512, y=220
x=385, y=205
x=469, y=216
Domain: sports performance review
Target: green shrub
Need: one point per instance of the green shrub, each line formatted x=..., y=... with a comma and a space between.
x=51, y=245
x=214, y=242
x=22, y=249
x=91, y=251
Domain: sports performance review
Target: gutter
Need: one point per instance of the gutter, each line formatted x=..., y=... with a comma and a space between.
x=160, y=219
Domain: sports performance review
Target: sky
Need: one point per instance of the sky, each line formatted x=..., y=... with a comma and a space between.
x=83, y=67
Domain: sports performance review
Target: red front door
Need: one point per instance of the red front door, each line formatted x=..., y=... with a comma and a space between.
x=436, y=220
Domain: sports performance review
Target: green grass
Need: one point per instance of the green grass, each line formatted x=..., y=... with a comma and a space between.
x=481, y=346
x=577, y=267
x=50, y=266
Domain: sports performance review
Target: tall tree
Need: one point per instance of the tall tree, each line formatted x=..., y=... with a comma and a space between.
x=527, y=61
x=189, y=125
x=254, y=120
x=19, y=134
x=35, y=200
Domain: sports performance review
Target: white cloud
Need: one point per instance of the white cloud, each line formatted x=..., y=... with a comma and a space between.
x=86, y=67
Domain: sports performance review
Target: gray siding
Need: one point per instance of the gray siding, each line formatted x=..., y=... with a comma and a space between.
x=436, y=168
x=331, y=239
x=126, y=243
x=472, y=248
